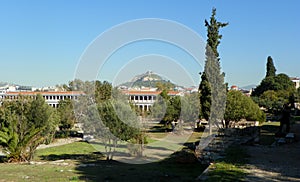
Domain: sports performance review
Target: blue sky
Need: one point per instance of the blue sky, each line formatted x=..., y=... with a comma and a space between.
x=43, y=41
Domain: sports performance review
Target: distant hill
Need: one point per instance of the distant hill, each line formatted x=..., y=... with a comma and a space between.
x=148, y=79
x=4, y=85
x=248, y=87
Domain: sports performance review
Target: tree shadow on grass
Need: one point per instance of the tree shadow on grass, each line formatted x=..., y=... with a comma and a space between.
x=270, y=128
x=267, y=134
x=80, y=157
x=93, y=166
x=180, y=166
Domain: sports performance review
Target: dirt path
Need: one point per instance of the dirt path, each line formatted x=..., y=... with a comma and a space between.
x=275, y=163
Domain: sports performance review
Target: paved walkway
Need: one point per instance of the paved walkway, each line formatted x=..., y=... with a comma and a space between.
x=275, y=163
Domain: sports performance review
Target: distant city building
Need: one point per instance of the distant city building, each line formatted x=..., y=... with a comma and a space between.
x=244, y=91
x=144, y=99
x=296, y=81
x=191, y=90
x=51, y=98
x=234, y=87
x=247, y=92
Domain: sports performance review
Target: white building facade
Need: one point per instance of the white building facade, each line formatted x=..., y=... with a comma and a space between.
x=296, y=82
x=51, y=98
x=144, y=100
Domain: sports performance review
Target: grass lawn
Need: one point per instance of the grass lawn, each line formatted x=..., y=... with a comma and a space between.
x=75, y=151
x=157, y=135
x=229, y=168
x=195, y=137
x=43, y=172
x=79, y=161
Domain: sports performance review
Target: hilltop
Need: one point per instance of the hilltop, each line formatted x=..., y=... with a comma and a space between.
x=148, y=79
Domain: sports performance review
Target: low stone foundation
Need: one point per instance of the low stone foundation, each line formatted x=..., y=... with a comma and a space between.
x=225, y=138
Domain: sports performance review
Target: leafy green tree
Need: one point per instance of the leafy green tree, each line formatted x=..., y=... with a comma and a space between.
x=273, y=81
x=173, y=110
x=273, y=101
x=266, y=84
x=108, y=118
x=283, y=82
x=103, y=91
x=25, y=124
x=185, y=108
x=76, y=85
x=274, y=90
x=66, y=112
x=271, y=70
x=190, y=108
x=158, y=109
x=213, y=73
x=121, y=123
x=239, y=106
x=166, y=107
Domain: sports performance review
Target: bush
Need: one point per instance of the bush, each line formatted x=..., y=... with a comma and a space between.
x=239, y=106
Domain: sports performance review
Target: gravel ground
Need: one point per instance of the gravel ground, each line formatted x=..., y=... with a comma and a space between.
x=275, y=163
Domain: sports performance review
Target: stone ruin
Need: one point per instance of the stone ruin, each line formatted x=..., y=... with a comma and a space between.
x=224, y=138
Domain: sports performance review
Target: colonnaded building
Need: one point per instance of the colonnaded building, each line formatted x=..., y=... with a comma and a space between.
x=144, y=99
x=52, y=98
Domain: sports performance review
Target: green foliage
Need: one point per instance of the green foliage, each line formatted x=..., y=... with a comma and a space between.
x=176, y=108
x=167, y=108
x=205, y=97
x=163, y=85
x=120, y=123
x=97, y=89
x=239, y=106
x=280, y=82
x=173, y=110
x=283, y=82
x=190, y=108
x=271, y=70
x=274, y=90
x=119, y=119
x=24, y=124
x=215, y=78
x=103, y=91
x=110, y=118
x=159, y=107
x=66, y=112
x=213, y=36
x=273, y=101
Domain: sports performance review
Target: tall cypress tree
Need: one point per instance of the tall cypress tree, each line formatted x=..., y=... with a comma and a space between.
x=212, y=70
x=205, y=96
x=271, y=70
